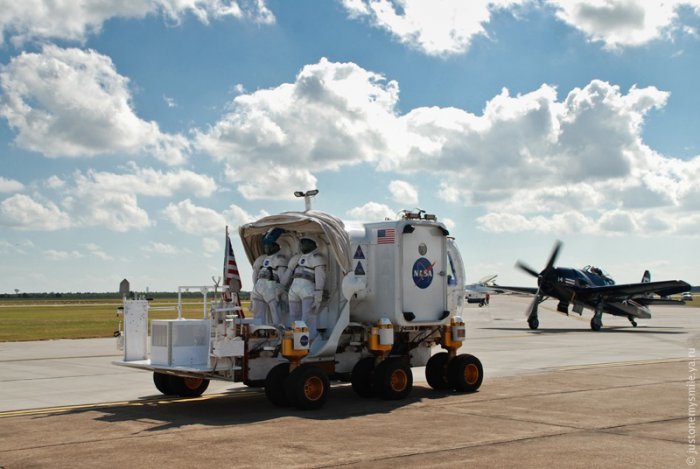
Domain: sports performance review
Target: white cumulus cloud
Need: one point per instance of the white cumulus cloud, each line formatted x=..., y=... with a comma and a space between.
x=23, y=212
x=58, y=255
x=623, y=23
x=210, y=247
x=446, y=27
x=75, y=20
x=333, y=115
x=404, y=193
x=21, y=247
x=116, y=211
x=162, y=248
x=578, y=156
x=73, y=103
x=372, y=211
x=10, y=185
x=437, y=27
x=147, y=181
x=102, y=198
x=193, y=219
x=95, y=251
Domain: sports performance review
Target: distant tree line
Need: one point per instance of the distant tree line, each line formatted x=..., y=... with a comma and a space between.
x=101, y=296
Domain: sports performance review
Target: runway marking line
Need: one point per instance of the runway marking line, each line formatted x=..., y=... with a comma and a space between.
x=620, y=364
x=59, y=358
x=135, y=403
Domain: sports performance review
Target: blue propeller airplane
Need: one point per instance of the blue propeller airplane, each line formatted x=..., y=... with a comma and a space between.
x=591, y=288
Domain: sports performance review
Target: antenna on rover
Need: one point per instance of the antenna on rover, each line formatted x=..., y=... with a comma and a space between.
x=307, y=197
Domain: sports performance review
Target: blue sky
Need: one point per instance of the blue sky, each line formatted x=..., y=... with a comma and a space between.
x=130, y=135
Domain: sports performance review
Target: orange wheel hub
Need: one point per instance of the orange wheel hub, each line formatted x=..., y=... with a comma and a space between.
x=471, y=373
x=313, y=388
x=399, y=380
x=193, y=383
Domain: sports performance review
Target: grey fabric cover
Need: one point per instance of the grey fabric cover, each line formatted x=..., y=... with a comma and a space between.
x=311, y=222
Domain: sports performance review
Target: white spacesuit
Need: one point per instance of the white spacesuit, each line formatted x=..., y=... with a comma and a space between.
x=309, y=279
x=267, y=270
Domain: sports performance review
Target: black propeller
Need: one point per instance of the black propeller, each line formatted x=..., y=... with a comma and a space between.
x=542, y=277
x=527, y=269
x=550, y=263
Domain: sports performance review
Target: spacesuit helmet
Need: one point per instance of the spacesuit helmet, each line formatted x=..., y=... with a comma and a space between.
x=269, y=241
x=307, y=245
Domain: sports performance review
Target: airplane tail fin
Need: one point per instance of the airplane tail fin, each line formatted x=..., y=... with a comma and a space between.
x=488, y=280
x=646, y=278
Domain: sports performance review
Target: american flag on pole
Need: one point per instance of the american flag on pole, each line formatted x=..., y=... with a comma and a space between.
x=232, y=277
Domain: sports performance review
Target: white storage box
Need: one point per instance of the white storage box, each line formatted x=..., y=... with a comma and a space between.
x=180, y=342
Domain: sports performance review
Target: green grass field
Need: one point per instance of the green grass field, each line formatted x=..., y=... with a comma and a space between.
x=45, y=320
x=22, y=320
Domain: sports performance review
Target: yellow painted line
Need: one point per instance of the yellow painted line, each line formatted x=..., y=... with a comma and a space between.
x=76, y=357
x=618, y=364
x=143, y=402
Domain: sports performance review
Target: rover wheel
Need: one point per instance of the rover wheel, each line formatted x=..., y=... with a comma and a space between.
x=465, y=373
x=307, y=387
x=393, y=379
x=254, y=383
x=274, y=384
x=436, y=371
x=361, y=377
x=162, y=382
x=188, y=387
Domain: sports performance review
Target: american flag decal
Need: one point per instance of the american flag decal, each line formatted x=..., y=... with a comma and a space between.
x=386, y=236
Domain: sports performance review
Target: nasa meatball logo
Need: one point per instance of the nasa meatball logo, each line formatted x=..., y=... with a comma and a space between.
x=423, y=273
x=304, y=340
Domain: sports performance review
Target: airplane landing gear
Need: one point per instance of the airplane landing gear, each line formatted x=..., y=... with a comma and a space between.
x=632, y=321
x=597, y=319
x=533, y=322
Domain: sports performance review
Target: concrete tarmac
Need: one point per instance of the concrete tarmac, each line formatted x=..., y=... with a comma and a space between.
x=562, y=395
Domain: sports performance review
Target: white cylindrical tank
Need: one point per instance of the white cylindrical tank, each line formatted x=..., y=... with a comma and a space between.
x=401, y=271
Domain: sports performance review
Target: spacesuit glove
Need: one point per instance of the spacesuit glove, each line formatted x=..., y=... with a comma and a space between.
x=318, y=296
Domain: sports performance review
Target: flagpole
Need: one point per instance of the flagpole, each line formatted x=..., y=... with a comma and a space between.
x=226, y=295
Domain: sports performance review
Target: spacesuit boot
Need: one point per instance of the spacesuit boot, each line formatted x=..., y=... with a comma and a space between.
x=310, y=316
x=275, y=313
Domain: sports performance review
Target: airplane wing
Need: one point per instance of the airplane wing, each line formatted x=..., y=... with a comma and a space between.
x=501, y=289
x=625, y=291
x=658, y=301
